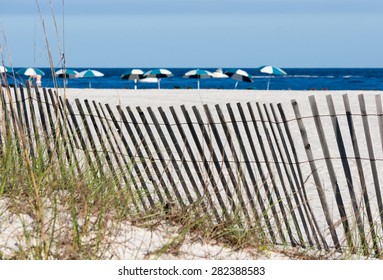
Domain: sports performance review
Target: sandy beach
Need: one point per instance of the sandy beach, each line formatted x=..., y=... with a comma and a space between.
x=189, y=98
x=129, y=239
x=176, y=97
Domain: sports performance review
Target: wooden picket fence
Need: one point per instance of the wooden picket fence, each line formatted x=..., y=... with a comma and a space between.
x=309, y=180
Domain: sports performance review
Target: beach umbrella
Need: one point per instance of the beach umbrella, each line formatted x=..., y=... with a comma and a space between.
x=67, y=73
x=218, y=74
x=239, y=75
x=3, y=69
x=89, y=74
x=159, y=74
x=134, y=74
x=30, y=72
x=148, y=80
x=272, y=71
x=198, y=74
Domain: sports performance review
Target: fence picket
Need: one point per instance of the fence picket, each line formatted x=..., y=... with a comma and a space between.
x=316, y=177
x=287, y=175
x=225, y=162
x=194, y=163
x=347, y=171
x=300, y=185
x=132, y=156
x=205, y=162
x=359, y=165
x=371, y=155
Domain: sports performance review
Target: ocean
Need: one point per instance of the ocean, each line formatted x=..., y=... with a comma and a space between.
x=296, y=79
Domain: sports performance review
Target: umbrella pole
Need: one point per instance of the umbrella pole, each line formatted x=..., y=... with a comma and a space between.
x=135, y=84
x=236, y=84
x=198, y=84
x=159, y=83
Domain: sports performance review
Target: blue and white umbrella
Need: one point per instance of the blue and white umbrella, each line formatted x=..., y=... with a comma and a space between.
x=272, y=71
x=239, y=75
x=218, y=74
x=198, y=74
x=134, y=74
x=159, y=74
x=4, y=69
x=30, y=72
x=89, y=74
x=67, y=73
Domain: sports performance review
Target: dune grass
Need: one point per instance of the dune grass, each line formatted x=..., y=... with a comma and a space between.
x=66, y=215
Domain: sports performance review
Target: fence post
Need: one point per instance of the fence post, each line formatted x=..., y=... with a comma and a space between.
x=273, y=183
x=130, y=154
x=225, y=161
x=77, y=130
x=61, y=117
x=347, y=171
x=252, y=176
x=132, y=157
x=171, y=156
x=151, y=159
x=314, y=171
x=298, y=179
x=331, y=172
x=236, y=159
x=379, y=110
x=272, y=204
x=291, y=207
x=160, y=158
x=205, y=162
x=371, y=155
x=193, y=161
x=360, y=172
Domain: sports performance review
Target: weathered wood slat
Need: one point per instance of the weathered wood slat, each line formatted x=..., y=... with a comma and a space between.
x=300, y=185
x=278, y=142
x=316, y=176
x=172, y=159
x=347, y=171
x=371, y=155
x=123, y=162
x=272, y=205
x=281, y=178
x=243, y=153
x=162, y=161
x=225, y=161
x=205, y=163
x=194, y=162
x=359, y=165
x=331, y=172
x=132, y=157
x=140, y=145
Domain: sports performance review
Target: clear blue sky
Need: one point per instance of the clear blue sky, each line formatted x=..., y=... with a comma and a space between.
x=196, y=33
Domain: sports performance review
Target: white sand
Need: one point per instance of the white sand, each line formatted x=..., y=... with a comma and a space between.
x=164, y=98
x=177, y=97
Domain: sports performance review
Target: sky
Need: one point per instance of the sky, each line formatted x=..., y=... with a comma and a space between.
x=197, y=33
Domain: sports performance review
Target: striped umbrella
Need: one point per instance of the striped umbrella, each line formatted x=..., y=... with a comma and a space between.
x=30, y=72
x=67, y=73
x=134, y=74
x=198, y=74
x=159, y=74
x=90, y=74
x=239, y=75
x=4, y=69
x=272, y=71
x=218, y=74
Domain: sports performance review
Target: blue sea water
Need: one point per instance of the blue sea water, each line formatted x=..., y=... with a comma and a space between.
x=296, y=79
